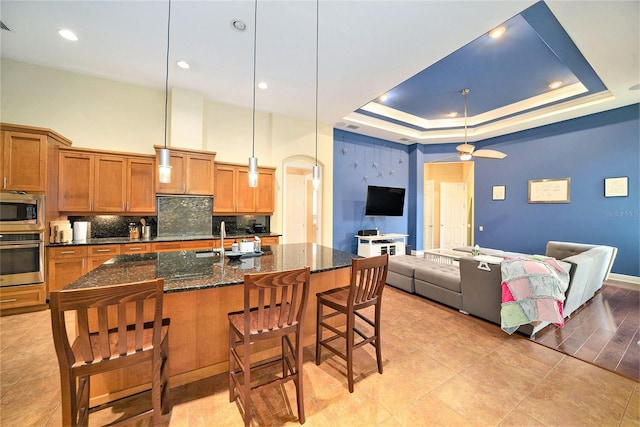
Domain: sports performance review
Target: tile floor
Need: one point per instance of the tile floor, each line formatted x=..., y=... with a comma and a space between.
x=440, y=368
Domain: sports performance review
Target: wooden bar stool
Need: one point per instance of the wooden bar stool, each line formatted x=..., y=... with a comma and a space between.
x=117, y=326
x=282, y=300
x=368, y=276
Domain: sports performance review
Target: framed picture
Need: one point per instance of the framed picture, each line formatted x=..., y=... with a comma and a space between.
x=499, y=192
x=556, y=190
x=616, y=187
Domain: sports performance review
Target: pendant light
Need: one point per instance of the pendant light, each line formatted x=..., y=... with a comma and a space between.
x=164, y=157
x=253, y=161
x=465, y=156
x=316, y=169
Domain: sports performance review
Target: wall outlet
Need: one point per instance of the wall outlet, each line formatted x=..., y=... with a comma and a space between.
x=481, y=228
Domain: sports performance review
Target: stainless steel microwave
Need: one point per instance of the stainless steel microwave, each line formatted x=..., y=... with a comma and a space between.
x=21, y=212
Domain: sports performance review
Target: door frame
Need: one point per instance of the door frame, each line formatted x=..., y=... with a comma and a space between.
x=314, y=209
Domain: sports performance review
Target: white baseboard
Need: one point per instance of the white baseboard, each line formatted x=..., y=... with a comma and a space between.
x=625, y=278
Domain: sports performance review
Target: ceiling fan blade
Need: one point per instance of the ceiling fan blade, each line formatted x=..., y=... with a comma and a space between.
x=443, y=158
x=489, y=154
x=465, y=148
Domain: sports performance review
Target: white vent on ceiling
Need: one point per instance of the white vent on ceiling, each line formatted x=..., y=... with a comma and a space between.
x=3, y=26
x=353, y=127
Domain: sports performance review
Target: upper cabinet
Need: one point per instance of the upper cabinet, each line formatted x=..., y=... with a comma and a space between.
x=192, y=172
x=24, y=155
x=24, y=159
x=106, y=183
x=233, y=194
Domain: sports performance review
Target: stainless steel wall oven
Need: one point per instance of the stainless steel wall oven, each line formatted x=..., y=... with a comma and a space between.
x=21, y=239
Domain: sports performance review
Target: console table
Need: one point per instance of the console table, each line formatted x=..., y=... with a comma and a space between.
x=391, y=243
x=445, y=256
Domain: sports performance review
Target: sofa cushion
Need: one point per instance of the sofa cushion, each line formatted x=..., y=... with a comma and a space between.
x=404, y=264
x=444, y=275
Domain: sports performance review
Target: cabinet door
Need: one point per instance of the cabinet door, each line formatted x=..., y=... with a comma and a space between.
x=64, y=265
x=178, y=177
x=110, y=189
x=75, y=182
x=265, y=196
x=245, y=195
x=223, y=199
x=141, y=179
x=24, y=161
x=200, y=174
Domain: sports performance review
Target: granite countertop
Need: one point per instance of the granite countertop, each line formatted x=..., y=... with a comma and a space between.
x=121, y=240
x=185, y=270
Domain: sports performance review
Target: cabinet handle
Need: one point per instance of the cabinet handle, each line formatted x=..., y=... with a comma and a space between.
x=103, y=250
x=67, y=252
x=4, y=182
x=135, y=249
x=8, y=300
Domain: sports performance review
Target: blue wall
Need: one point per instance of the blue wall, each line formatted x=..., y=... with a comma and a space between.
x=586, y=149
x=353, y=159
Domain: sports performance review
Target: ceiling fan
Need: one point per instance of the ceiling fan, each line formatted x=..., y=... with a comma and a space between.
x=467, y=151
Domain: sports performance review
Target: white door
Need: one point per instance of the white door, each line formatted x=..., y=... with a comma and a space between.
x=453, y=214
x=429, y=206
x=296, y=209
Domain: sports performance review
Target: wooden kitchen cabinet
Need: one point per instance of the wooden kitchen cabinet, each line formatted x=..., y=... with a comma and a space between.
x=75, y=185
x=192, y=172
x=141, y=181
x=186, y=245
x=23, y=159
x=99, y=182
x=110, y=186
x=22, y=298
x=266, y=191
x=271, y=240
x=98, y=254
x=233, y=194
x=64, y=265
x=135, y=248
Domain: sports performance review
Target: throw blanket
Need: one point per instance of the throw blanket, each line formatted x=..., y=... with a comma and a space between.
x=532, y=290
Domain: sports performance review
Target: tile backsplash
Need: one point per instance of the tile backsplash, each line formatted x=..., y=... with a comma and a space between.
x=103, y=226
x=184, y=215
x=176, y=221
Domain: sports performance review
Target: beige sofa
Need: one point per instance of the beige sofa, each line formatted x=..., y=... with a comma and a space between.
x=477, y=291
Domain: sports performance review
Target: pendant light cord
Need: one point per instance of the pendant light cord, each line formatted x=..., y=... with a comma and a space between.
x=317, y=62
x=255, y=39
x=166, y=78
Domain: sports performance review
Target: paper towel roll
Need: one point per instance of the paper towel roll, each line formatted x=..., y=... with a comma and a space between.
x=80, y=231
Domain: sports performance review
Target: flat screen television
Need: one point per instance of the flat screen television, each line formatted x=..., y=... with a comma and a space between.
x=384, y=201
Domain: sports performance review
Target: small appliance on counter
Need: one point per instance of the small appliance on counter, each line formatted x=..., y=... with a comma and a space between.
x=258, y=228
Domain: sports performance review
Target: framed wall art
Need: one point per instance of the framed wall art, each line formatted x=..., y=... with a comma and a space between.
x=499, y=192
x=616, y=187
x=556, y=190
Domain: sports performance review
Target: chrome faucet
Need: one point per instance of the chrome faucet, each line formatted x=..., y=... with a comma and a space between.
x=223, y=234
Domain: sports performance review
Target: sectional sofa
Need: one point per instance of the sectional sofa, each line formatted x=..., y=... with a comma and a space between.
x=477, y=291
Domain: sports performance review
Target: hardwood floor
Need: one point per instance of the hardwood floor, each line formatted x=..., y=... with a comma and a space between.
x=604, y=332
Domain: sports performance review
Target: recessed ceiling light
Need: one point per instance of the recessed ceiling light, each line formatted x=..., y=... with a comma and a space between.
x=383, y=98
x=555, y=85
x=68, y=34
x=183, y=64
x=263, y=85
x=496, y=33
x=452, y=114
x=238, y=25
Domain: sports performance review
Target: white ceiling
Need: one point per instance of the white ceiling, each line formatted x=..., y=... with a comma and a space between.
x=365, y=47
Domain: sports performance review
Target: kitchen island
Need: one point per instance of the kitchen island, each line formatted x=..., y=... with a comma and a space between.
x=200, y=290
